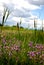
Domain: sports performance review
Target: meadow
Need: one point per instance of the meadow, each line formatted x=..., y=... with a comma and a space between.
x=21, y=47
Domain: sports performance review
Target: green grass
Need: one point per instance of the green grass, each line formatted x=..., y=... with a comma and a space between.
x=25, y=33
x=21, y=38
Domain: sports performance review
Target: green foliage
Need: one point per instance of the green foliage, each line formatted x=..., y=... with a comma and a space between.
x=14, y=48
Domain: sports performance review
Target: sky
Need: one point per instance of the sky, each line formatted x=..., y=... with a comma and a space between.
x=24, y=10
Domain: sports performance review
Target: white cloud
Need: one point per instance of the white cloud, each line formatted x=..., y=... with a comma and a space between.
x=25, y=4
x=1, y=7
x=19, y=4
x=5, y=1
x=36, y=2
x=21, y=8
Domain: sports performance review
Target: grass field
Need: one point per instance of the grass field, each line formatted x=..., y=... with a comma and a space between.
x=21, y=47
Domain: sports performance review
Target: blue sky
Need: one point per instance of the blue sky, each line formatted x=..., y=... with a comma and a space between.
x=39, y=12
x=26, y=10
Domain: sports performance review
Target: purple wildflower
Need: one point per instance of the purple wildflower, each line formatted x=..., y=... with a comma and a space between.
x=39, y=47
x=31, y=53
x=38, y=53
x=31, y=44
x=4, y=41
x=16, y=48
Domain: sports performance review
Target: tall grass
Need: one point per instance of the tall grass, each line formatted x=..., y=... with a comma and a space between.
x=17, y=51
x=16, y=48
x=6, y=13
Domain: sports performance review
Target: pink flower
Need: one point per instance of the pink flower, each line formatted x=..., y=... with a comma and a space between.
x=16, y=48
x=3, y=41
x=31, y=53
x=31, y=44
x=39, y=46
x=38, y=53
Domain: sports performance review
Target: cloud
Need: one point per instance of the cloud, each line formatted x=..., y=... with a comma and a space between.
x=21, y=13
x=20, y=9
x=3, y=1
x=24, y=4
x=36, y=2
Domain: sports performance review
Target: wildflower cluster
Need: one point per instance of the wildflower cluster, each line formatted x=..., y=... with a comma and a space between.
x=16, y=52
x=37, y=54
x=15, y=47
